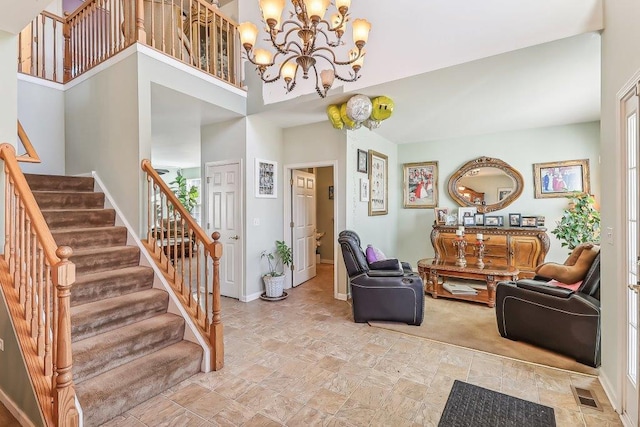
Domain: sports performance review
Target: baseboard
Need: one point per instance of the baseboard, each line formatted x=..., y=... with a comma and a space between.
x=609, y=391
x=15, y=411
x=326, y=261
x=251, y=297
x=341, y=297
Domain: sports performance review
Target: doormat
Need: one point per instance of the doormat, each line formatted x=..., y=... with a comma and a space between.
x=470, y=405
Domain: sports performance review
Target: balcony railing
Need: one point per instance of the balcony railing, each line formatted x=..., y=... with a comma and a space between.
x=192, y=31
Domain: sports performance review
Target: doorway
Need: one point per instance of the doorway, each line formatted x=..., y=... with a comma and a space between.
x=323, y=215
x=224, y=215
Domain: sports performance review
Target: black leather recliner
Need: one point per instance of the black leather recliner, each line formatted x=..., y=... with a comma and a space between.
x=385, y=290
x=552, y=317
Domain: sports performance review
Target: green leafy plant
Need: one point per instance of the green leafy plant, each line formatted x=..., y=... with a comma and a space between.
x=282, y=256
x=580, y=222
x=188, y=197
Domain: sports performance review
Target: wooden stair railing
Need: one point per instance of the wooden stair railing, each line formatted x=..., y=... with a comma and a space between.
x=189, y=260
x=30, y=155
x=191, y=31
x=36, y=278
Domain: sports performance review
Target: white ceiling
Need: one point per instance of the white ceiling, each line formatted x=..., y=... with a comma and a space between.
x=453, y=68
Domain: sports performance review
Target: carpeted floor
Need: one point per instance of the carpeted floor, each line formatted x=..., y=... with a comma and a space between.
x=473, y=325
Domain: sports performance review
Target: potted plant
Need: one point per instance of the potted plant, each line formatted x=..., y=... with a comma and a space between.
x=276, y=260
x=188, y=197
x=580, y=222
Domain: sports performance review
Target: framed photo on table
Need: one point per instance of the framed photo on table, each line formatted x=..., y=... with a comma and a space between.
x=560, y=179
x=266, y=178
x=378, y=183
x=420, y=185
x=441, y=215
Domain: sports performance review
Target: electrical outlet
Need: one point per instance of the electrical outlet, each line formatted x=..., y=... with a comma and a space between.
x=1, y=344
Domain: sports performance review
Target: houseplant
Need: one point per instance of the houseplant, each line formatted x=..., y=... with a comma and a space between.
x=276, y=260
x=188, y=197
x=580, y=222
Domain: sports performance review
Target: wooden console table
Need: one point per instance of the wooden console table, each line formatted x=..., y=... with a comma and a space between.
x=432, y=270
x=523, y=248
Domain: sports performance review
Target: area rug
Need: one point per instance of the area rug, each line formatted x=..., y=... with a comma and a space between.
x=473, y=326
x=470, y=405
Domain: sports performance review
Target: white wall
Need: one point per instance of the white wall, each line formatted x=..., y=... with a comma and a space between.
x=102, y=133
x=8, y=88
x=264, y=141
x=520, y=149
x=41, y=112
x=619, y=63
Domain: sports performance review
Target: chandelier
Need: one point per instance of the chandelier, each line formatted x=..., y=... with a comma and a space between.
x=302, y=42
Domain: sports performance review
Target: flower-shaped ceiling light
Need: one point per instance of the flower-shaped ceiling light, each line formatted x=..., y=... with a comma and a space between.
x=304, y=43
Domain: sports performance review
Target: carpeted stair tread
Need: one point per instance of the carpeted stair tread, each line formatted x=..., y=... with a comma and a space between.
x=75, y=218
x=114, y=392
x=91, y=237
x=98, y=354
x=59, y=182
x=110, y=283
x=69, y=199
x=101, y=316
x=94, y=260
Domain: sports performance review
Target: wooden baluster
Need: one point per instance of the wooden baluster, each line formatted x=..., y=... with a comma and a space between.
x=183, y=242
x=21, y=269
x=55, y=51
x=33, y=283
x=198, y=276
x=149, y=241
x=64, y=409
x=13, y=220
x=140, y=31
x=26, y=261
x=54, y=324
x=216, y=329
x=7, y=217
x=42, y=297
x=48, y=352
x=66, y=30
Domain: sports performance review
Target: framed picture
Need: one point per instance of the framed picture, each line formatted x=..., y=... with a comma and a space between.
x=559, y=179
x=540, y=221
x=364, y=190
x=331, y=192
x=469, y=221
x=529, y=221
x=463, y=212
x=493, y=221
x=378, y=183
x=441, y=215
x=266, y=178
x=503, y=193
x=362, y=161
x=514, y=220
x=420, y=185
x=479, y=218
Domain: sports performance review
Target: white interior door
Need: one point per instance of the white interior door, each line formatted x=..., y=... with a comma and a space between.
x=303, y=196
x=630, y=126
x=224, y=216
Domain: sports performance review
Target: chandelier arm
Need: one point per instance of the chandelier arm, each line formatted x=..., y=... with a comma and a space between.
x=322, y=94
x=353, y=77
x=326, y=38
x=281, y=46
x=333, y=55
x=279, y=76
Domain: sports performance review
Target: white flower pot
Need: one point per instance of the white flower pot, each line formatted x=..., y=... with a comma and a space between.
x=274, y=286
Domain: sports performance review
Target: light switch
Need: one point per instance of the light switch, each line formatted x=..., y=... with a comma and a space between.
x=609, y=235
x=256, y=221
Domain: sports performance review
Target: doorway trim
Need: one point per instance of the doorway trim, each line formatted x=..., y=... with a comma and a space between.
x=243, y=286
x=336, y=204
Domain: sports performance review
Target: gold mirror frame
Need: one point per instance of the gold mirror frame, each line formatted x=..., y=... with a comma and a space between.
x=486, y=162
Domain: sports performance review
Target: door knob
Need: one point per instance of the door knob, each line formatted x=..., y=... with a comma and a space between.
x=634, y=288
x=236, y=237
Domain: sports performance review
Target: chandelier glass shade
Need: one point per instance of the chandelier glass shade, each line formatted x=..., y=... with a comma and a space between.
x=302, y=43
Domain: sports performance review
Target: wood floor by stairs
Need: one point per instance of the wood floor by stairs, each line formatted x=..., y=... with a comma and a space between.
x=126, y=347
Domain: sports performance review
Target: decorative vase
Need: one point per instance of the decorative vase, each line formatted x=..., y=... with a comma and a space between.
x=274, y=285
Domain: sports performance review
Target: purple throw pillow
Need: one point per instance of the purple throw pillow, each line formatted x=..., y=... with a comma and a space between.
x=374, y=254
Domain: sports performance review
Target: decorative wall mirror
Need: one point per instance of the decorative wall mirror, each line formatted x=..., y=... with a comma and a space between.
x=485, y=183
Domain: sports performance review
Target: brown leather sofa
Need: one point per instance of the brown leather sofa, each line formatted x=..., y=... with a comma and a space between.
x=385, y=290
x=555, y=318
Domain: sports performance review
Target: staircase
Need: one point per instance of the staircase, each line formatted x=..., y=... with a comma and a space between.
x=126, y=347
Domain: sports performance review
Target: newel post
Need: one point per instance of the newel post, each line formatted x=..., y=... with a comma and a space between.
x=216, y=329
x=64, y=405
x=140, y=31
x=66, y=63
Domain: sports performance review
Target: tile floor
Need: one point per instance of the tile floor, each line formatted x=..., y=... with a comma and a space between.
x=304, y=362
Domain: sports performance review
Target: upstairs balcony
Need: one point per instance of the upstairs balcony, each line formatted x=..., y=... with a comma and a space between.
x=194, y=32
